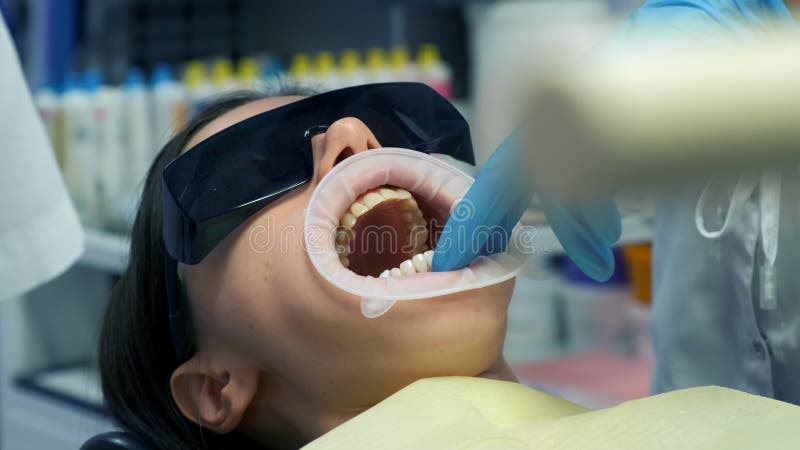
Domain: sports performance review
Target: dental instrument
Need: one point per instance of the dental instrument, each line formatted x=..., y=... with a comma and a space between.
x=634, y=117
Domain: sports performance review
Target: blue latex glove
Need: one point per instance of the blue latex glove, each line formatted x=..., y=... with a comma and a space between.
x=481, y=223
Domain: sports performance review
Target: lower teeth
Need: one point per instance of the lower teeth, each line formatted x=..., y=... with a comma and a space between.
x=419, y=263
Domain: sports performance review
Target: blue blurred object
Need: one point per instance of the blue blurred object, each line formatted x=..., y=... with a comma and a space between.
x=135, y=79
x=162, y=73
x=9, y=14
x=574, y=275
x=92, y=80
x=482, y=222
x=71, y=81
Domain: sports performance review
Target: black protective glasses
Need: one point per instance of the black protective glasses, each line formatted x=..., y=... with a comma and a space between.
x=224, y=180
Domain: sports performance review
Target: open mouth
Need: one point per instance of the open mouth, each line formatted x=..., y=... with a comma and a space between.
x=373, y=223
x=389, y=231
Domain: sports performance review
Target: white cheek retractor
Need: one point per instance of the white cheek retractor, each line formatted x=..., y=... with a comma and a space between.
x=427, y=178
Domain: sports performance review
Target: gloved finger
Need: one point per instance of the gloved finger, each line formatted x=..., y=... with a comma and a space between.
x=479, y=223
x=500, y=235
x=459, y=242
x=605, y=218
x=496, y=240
x=589, y=250
x=467, y=229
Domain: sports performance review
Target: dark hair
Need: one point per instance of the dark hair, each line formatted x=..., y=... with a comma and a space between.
x=136, y=356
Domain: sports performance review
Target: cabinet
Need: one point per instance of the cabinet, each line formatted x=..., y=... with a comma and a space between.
x=51, y=397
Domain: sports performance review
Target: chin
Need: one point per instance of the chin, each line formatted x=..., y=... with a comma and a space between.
x=465, y=331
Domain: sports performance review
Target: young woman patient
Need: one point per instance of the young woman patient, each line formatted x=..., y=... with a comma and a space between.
x=278, y=356
x=247, y=345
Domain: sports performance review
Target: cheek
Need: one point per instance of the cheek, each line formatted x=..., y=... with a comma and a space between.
x=483, y=311
x=266, y=281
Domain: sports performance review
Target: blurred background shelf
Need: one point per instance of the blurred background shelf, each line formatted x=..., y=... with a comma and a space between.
x=105, y=251
x=75, y=384
x=53, y=409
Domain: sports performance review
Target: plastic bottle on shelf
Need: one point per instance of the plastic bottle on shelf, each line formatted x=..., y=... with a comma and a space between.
x=48, y=104
x=325, y=71
x=377, y=69
x=300, y=70
x=533, y=321
x=80, y=148
x=402, y=68
x=222, y=78
x=199, y=90
x=139, y=131
x=249, y=73
x=350, y=69
x=107, y=102
x=639, y=262
x=169, y=105
x=433, y=71
x=273, y=71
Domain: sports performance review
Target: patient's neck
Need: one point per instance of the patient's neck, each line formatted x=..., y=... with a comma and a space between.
x=281, y=415
x=500, y=371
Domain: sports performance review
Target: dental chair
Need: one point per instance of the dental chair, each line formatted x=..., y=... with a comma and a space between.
x=115, y=440
x=125, y=440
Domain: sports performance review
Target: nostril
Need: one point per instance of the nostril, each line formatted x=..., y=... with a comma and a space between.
x=344, y=154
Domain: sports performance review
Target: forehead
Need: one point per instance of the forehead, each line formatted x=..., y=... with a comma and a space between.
x=239, y=114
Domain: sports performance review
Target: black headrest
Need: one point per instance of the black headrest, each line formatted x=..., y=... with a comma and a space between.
x=115, y=440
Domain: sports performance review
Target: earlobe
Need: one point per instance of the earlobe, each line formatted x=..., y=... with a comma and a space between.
x=214, y=399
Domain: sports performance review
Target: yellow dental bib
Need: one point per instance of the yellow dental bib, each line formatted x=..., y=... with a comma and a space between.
x=476, y=413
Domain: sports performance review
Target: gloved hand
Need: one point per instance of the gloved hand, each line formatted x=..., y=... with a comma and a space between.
x=482, y=222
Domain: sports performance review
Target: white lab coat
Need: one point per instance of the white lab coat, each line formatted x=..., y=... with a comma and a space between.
x=40, y=235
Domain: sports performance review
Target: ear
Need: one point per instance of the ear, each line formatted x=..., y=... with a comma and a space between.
x=214, y=398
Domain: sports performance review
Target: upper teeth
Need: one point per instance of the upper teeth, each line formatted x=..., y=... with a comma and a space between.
x=372, y=199
x=416, y=224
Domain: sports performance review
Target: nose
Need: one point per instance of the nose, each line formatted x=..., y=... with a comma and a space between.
x=344, y=138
